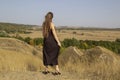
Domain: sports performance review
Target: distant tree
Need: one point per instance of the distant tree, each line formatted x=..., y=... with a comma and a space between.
x=70, y=42
x=86, y=44
x=27, y=39
x=74, y=32
x=3, y=34
x=117, y=40
x=38, y=41
x=82, y=33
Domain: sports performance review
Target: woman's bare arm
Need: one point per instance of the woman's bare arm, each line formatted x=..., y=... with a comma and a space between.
x=54, y=33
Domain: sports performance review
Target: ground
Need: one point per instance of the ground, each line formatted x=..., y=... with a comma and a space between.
x=37, y=76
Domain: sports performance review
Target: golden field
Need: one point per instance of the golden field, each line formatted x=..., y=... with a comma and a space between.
x=88, y=34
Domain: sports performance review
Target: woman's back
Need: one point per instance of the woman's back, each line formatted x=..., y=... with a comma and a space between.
x=51, y=44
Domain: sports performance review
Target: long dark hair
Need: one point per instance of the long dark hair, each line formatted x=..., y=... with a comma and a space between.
x=46, y=23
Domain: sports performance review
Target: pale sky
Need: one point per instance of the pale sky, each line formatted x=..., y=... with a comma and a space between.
x=87, y=13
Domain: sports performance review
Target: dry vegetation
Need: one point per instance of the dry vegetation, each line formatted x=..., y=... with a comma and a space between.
x=20, y=61
x=105, y=35
x=17, y=58
x=93, y=64
x=16, y=55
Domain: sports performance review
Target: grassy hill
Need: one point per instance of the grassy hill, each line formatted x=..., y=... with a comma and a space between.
x=17, y=57
x=97, y=63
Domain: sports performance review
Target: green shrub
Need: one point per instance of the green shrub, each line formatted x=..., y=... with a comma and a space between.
x=86, y=44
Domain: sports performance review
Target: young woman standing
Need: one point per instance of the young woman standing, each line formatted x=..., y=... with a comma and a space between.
x=51, y=45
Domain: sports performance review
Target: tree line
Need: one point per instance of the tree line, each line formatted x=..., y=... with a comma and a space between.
x=81, y=44
x=87, y=44
x=13, y=28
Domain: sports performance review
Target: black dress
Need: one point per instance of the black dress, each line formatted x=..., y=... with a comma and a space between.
x=50, y=50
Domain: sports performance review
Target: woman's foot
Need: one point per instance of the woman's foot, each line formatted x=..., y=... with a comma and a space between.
x=45, y=72
x=56, y=73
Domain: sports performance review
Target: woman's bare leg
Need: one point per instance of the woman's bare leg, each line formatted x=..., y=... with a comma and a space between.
x=57, y=68
x=46, y=68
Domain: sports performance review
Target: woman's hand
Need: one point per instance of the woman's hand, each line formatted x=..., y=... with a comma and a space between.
x=59, y=44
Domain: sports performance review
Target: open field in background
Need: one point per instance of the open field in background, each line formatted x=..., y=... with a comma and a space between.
x=34, y=31
x=105, y=35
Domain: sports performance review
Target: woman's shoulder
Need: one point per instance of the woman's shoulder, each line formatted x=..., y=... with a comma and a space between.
x=52, y=25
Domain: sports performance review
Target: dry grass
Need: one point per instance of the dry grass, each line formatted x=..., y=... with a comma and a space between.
x=16, y=61
x=16, y=55
x=94, y=64
x=36, y=76
x=18, y=46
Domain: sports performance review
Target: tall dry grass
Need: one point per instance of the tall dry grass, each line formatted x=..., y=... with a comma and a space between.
x=16, y=61
x=16, y=55
x=95, y=64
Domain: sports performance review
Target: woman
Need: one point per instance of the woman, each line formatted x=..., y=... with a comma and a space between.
x=51, y=45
